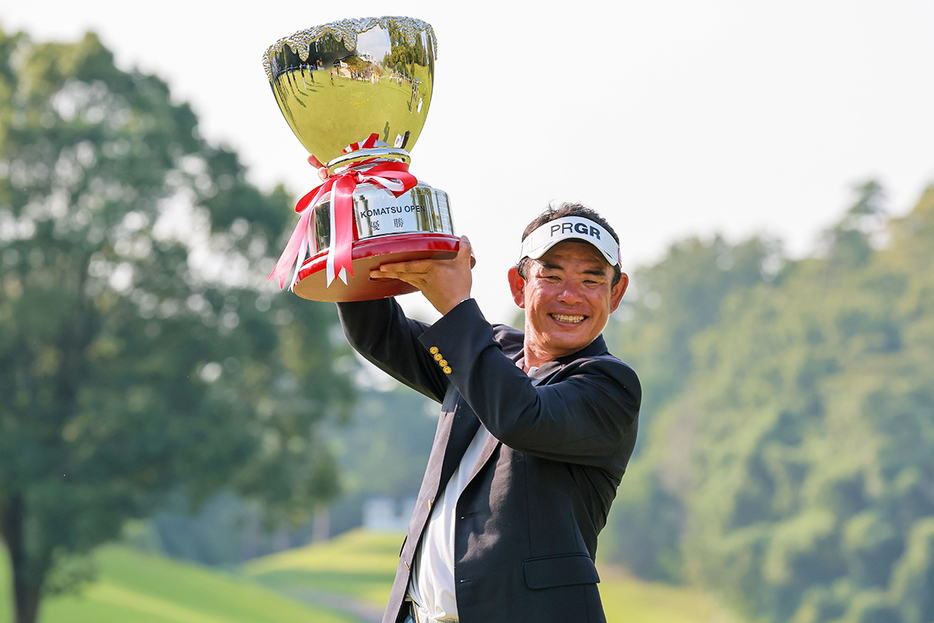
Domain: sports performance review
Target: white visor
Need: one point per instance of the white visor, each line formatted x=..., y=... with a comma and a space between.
x=551, y=233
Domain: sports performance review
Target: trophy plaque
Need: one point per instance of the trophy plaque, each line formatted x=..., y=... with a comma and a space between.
x=356, y=93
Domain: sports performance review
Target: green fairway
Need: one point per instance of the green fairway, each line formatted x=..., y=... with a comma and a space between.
x=139, y=588
x=358, y=564
x=629, y=600
x=361, y=565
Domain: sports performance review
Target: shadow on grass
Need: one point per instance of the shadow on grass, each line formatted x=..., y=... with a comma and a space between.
x=362, y=595
x=369, y=587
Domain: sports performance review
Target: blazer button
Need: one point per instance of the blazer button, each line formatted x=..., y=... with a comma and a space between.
x=443, y=363
x=438, y=357
x=433, y=350
x=447, y=370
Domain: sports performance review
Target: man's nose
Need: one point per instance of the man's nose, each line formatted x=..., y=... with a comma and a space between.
x=570, y=293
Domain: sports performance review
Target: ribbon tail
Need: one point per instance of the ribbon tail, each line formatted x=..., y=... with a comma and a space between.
x=297, y=243
x=329, y=264
x=340, y=253
x=303, y=252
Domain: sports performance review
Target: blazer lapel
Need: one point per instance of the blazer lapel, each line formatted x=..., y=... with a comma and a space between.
x=463, y=426
x=492, y=443
x=468, y=427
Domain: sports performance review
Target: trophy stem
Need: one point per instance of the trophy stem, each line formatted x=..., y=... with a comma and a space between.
x=371, y=156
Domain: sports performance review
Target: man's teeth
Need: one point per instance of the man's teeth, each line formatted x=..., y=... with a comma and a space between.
x=563, y=318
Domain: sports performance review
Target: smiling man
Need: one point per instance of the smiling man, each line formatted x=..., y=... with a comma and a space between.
x=535, y=433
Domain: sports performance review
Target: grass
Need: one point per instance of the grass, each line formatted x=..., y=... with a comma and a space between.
x=140, y=588
x=630, y=600
x=361, y=565
x=358, y=564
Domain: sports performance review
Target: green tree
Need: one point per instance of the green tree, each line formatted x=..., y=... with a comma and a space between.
x=785, y=446
x=140, y=351
x=849, y=241
x=810, y=496
x=668, y=305
x=404, y=57
x=395, y=428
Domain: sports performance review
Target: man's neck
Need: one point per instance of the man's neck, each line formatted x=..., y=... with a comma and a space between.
x=531, y=359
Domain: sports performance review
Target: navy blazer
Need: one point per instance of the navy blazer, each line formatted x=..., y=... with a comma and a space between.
x=527, y=522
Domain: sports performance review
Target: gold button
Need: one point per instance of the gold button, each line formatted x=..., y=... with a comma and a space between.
x=443, y=363
x=407, y=566
x=438, y=357
x=447, y=370
x=433, y=350
x=429, y=504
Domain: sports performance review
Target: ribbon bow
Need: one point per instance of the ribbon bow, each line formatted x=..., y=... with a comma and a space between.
x=394, y=177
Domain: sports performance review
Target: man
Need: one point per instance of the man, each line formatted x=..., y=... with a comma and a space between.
x=535, y=432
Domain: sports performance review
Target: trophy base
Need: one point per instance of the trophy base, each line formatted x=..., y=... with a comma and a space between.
x=368, y=255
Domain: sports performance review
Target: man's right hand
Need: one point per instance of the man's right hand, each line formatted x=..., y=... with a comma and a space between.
x=445, y=283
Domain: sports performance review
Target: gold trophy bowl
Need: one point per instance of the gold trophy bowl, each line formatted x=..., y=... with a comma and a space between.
x=356, y=94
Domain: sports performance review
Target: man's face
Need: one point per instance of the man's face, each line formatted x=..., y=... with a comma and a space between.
x=567, y=298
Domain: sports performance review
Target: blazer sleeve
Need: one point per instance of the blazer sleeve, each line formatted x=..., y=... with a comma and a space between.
x=380, y=331
x=586, y=414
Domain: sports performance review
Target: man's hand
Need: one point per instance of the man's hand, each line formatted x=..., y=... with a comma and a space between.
x=445, y=283
x=322, y=169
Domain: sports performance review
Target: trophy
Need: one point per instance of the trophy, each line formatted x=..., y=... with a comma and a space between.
x=356, y=93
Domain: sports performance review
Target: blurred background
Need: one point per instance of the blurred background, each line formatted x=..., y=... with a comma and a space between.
x=181, y=441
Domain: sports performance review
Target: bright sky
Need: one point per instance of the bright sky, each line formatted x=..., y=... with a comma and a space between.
x=672, y=118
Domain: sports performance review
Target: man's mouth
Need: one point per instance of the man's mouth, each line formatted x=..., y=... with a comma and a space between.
x=568, y=319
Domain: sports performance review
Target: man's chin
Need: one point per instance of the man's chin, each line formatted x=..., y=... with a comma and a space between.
x=570, y=340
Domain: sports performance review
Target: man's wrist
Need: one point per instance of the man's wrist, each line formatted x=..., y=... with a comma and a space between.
x=467, y=298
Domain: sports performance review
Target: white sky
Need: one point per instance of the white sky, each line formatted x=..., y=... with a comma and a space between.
x=672, y=118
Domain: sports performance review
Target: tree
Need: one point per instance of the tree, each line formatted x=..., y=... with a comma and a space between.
x=850, y=241
x=812, y=464
x=801, y=437
x=668, y=305
x=785, y=458
x=140, y=351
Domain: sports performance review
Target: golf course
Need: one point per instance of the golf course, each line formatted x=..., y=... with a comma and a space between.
x=345, y=580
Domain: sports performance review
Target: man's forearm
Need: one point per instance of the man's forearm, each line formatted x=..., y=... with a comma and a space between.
x=383, y=335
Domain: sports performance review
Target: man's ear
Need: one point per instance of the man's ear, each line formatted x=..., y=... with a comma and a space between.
x=517, y=287
x=618, y=291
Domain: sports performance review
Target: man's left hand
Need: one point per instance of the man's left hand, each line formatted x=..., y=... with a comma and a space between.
x=445, y=283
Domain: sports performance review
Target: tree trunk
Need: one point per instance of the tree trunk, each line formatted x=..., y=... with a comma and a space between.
x=26, y=590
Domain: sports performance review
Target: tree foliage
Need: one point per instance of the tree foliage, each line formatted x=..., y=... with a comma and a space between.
x=789, y=464
x=669, y=304
x=140, y=350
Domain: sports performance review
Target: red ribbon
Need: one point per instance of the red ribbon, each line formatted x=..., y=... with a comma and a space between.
x=394, y=177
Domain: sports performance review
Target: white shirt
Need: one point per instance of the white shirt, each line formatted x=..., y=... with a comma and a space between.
x=432, y=585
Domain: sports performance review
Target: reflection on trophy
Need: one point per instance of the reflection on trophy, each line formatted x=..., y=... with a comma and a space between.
x=356, y=94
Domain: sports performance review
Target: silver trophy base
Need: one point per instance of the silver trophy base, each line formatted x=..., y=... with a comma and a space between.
x=387, y=229
x=377, y=212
